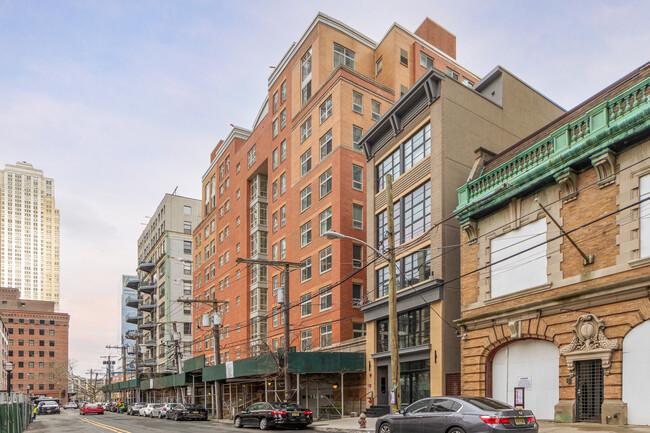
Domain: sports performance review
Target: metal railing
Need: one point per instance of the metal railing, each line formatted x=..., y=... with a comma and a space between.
x=15, y=412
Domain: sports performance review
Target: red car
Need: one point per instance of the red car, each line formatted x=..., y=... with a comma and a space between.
x=91, y=408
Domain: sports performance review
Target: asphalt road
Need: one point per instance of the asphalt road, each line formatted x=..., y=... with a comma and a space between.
x=71, y=422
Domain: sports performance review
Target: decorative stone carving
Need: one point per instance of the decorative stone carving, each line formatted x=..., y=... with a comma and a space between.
x=589, y=342
x=470, y=228
x=605, y=164
x=568, y=181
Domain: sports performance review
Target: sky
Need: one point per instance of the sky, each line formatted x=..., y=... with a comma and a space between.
x=123, y=101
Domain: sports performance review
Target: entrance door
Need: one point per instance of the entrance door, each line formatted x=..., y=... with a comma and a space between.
x=589, y=390
x=382, y=382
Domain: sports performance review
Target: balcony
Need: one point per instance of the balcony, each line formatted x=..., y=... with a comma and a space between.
x=131, y=302
x=147, y=324
x=151, y=343
x=133, y=318
x=132, y=335
x=149, y=362
x=133, y=284
x=146, y=267
x=147, y=305
x=147, y=287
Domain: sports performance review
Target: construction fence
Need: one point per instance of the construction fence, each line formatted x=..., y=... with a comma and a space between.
x=15, y=412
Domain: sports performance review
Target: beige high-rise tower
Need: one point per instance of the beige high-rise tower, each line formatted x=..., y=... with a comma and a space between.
x=29, y=233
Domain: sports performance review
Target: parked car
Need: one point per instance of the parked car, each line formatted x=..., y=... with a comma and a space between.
x=161, y=411
x=48, y=407
x=134, y=409
x=70, y=405
x=89, y=408
x=265, y=415
x=458, y=415
x=148, y=409
x=187, y=411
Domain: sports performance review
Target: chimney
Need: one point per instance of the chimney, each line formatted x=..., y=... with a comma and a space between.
x=438, y=36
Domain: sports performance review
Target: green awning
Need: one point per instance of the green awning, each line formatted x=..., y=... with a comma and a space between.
x=192, y=364
x=254, y=366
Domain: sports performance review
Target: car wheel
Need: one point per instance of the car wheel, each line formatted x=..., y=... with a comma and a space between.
x=264, y=424
x=385, y=428
x=456, y=430
x=237, y=422
x=176, y=417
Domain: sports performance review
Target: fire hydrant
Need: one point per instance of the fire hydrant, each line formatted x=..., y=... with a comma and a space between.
x=362, y=420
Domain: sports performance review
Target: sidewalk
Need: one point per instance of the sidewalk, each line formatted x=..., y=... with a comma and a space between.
x=351, y=425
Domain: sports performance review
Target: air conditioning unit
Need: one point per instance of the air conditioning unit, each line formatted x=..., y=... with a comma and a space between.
x=205, y=321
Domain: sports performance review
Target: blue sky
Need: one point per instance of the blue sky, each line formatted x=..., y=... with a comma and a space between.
x=122, y=101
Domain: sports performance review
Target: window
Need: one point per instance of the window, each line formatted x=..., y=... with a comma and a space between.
x=452, y=74
x=187, y=210
x=343, y=56
x=357, y=102
x=514, y=268
x=415, y=148
x=357, y=216
x=403, y=57
x=274, y=158
x=357, y=256
x=305, y=77
x=644, y=216
x=187, y=247
x=357, y=293
x=326, y=335
x=402, y=90
x=305, y=270
x=283, y=92
x=326, y=109
x=357, y=177
x=468, y=83
x=187, y=268
x=375, y=109
x=357, y=132
x=283, y=249
x=325, y=256
x=379, y=64
x=305, y=340
x=187, y=227
x=326, y=144
x=251, y=156
x=325, y=181
x=275, y=102
x=413, y=330
x=275, y=222
x=305, y=234
x=358, y=329
x=305, y=130
x=325, y=221
x=283, y=150
x=275, y=128
x=305, y=305
x=305, y=162
x=415, y=221
x=283, y=216
x=426, y=61
x=283, y=119
x=274, y=190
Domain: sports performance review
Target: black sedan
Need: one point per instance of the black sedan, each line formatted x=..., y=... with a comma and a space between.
x=458, y=415
x=187, y=411
x=266, y=415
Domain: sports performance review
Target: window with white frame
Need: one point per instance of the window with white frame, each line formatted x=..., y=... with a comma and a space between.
x=326, y=144
x=375, y=109
x=305, y=162
x=326, y=335
x=469, y=83
x=518, y=259
x=325, y=181
x=283, y=150
x=283, y=183
x=644, y=216
x=305, y=234
x=305, y=305
x=283, y=249
x=326, y=109
x=357, y=133
x=357, y=177
x=403, y=57
x=275, y=128
x=358, y=329
x=251, y=156
x=305, y=340
x=325, y=220
x=305, y=198
x=283, y=119
x=305, y=130
x=305, y=270
x=379, y=65
x=426, y=61
x=343, y=56
x=357, y=293
x=283, y=92
x=283, y=216
x=452, y=74
x=274, y=158
x=325, y=300
x=357, y=102
x=357, y=256
x=325, y=257
x=305, y=76
x=275, y=102
x=357, y=216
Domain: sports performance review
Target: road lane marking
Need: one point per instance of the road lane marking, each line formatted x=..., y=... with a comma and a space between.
x=105, y=426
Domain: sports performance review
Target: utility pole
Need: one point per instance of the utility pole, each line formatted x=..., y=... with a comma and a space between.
x=285, y=313
x=123, y=349
x=215, y=330
x=392, y=298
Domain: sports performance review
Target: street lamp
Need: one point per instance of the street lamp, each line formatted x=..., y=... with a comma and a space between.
x=392, y=303
x=9, y=366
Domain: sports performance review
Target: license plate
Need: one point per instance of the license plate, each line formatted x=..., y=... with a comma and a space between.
x=195, y=411
x=295, y=413
x=520, y=421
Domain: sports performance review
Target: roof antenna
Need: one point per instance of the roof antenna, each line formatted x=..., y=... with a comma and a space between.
x=174, y=193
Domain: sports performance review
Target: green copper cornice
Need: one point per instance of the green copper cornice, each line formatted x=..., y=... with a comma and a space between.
x=573, y=143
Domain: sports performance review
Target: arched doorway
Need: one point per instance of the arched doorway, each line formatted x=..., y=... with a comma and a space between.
x=636, y=374
x=534, y=363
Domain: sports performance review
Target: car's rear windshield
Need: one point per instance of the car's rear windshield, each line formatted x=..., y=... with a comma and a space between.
x=50, y=403
x=193, y=406
x=92, y=406
x=487, y=403
x=289, y=406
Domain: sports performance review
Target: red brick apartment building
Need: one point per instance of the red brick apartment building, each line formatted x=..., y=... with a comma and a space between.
x=38, y=345
x=270, y=192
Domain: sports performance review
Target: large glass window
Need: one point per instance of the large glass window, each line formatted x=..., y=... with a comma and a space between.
x=412, y=269
x=305, y=75
x=412, y=222
x=343, y=56
x=410, y=152
x=414, y=382
x=412, y=329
